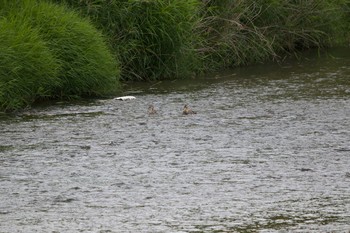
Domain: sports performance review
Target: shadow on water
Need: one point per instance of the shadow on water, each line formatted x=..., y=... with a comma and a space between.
x=319, y=75
x=268, y=151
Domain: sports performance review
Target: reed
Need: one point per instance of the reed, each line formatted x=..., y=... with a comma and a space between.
x=246, y=32
x=230, y=37
x=157, y=39
x=153, y=39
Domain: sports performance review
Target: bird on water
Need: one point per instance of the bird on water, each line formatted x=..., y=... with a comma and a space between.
x=151, y=110
x=187, y=110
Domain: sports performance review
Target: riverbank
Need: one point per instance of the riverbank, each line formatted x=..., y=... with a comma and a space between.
x=84, y=48
x=174, y=39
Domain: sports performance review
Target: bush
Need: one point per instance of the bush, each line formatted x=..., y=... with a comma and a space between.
x=86, y=66
x=28, y=69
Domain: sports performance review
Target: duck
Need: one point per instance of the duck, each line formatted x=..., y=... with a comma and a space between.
x=151, y=110
x=187, y=110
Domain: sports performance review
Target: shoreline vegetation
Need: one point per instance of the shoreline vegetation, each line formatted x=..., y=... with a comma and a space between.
x=68, y=49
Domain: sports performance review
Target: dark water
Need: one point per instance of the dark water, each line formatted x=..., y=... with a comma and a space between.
x=268, y=151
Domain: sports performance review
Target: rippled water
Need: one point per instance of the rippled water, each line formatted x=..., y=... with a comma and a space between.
x=268, y=151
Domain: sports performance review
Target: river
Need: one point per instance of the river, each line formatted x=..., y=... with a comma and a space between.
x=267, y=151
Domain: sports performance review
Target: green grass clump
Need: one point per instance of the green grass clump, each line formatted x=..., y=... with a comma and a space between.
x=28, y=69
x=80, y=57
x=88, y=67
x=153, y=39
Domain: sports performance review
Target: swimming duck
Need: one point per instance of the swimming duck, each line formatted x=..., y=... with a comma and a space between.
x=151, y=110
x=187, y=110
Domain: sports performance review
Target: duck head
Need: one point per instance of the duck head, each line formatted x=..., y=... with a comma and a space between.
x=187, y=110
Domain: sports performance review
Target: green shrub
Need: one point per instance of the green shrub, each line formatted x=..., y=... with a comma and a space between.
x=28, y=69
x=87, y=67
x=153, y=39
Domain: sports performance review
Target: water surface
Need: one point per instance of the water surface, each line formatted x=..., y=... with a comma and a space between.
x=268, y=151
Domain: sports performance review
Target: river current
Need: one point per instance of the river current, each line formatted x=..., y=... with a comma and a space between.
x=267, y=151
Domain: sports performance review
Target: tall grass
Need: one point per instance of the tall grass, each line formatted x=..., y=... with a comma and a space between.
x=245, y=32
x=157, y=39
x=153, y=39
x=48, y=50
x=87, y=65
x=298, y=25
x=69, y=44
x=28, y=69
x=230, y=36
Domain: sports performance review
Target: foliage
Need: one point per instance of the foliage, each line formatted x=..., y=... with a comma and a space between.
x=157, y=39
x=28, y=69
x=48, y=50
x=153, y=39
x=75, y=51
x=245, y=32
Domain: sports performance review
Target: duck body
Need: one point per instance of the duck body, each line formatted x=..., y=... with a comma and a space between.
x=151, y=110
x=187, y=110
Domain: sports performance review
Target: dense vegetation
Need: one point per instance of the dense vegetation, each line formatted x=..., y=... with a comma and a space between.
x=48, y=50
x=245, y=32
x=157, y=39
x=153, y=39
x=28, y=69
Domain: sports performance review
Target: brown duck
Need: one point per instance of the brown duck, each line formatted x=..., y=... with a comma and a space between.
x=151, y=110
x=187, y=110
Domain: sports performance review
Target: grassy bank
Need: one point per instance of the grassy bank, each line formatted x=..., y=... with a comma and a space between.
x=51, y=50
x=157, y=39
x=48, y=51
